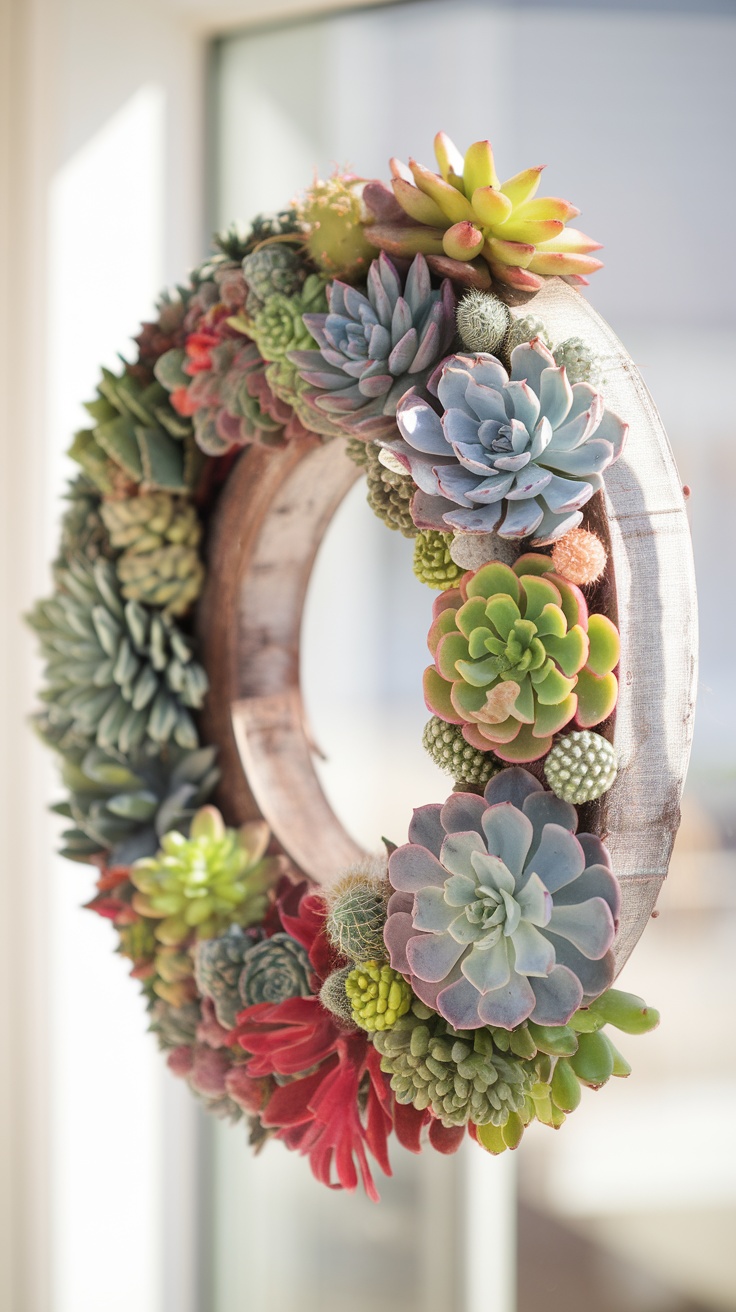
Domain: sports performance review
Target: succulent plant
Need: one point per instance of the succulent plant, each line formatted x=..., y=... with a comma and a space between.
x=218, y=966
x=283, y=325
x=517, y=456
x=274, y=970
x=467, y=215
x=334, y=217
x=137, y=438
x=389, y=493
x=235, y=242
x=172, y=976
x=275, y=267
x=83, y=532
x=525, y=329
x=116, y=673
x=433, y=563
x=124, y=805
x=162, y=334
x=169, y=579
x=581, y=766
x=450, y=751
x=378, y=996
x=288, y=387
x=374, y=346
x=150, y=521
x=138, y=942
x=579, y=557
x=200, y=885
x=516, y=657
x=174, y=1027
x=500, y=913
x=356, y=911
x=581, y=363
x=483, y=321
x=334, y=998
x=460, y=1075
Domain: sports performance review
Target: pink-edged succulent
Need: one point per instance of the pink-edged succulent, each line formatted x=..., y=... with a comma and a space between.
x=517, y=657
x=500, y=912
x=519, y=454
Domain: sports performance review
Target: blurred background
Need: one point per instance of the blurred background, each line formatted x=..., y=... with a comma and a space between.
x=130, y=130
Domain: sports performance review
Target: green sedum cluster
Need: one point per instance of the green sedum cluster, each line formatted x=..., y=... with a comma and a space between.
x=433, y=563
x=378, y=995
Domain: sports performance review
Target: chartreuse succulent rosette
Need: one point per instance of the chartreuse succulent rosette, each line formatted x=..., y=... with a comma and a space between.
x=462, y=983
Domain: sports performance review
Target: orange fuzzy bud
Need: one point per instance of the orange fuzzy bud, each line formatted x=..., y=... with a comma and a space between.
x=580, y=557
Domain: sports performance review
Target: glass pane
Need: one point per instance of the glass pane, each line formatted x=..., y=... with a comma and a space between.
x=630, y=1206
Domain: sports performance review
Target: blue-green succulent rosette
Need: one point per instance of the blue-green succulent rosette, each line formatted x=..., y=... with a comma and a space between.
x=501, y=912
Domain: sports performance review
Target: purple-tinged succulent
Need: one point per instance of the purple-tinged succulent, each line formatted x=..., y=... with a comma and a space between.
x=500, y=913
x=374, y=346
x=519, y=456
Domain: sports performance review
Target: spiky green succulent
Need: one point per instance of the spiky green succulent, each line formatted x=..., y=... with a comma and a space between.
x=459, y=1075
x=237, y=241
x=200, y=885
x=122, y=806
x=276, y=267
x=279, y=326
x=449, y=750
x=581, y=766
x=83, y=532
x=378, y=996
x=274, y=970
x=356, y=912
x=116, y=673
x=483, y=321
x=136, y=438
x=433, y=563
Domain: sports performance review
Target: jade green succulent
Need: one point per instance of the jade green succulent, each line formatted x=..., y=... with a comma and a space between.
x=116, y=673
x=449, y=750
x=122, y=806
x=433, y=563
x=500, y=913
x=517, y=657
x=200, y=885
x=581, y=766
x=378, y=996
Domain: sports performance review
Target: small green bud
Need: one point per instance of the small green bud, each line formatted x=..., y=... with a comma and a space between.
x=378, y=996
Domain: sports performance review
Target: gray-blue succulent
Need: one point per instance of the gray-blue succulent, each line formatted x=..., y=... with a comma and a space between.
x=375, y=345
x=500, y=912
x=517, y=455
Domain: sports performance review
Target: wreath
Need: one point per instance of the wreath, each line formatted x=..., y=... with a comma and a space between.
x=460, y=983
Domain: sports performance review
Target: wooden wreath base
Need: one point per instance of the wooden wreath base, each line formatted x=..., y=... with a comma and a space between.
x=271, y=519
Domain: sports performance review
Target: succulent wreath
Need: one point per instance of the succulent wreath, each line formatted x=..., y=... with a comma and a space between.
x=462, y=982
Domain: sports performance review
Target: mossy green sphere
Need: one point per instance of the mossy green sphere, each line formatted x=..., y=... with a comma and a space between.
x=449, y=750
x=378, y=996
x=433, y=563
x=581, y=766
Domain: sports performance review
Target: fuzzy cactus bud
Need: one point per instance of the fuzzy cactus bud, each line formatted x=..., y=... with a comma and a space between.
x=581, y=766
x=356, y=911
x=580, y=557
x=334, y=215
x=433, y=563
x=334, y=999
x=525, y=330
x=378, y=996
x=483, y=322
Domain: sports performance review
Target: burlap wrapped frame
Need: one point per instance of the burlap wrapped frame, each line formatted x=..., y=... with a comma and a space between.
x=273, y=515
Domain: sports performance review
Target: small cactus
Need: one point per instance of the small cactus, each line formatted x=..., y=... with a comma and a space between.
x=580, y=557
x=356, y=912
x=581, y=767
x=334, y=215
x=483, y=322
x=449, y=750
x=334, y=999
